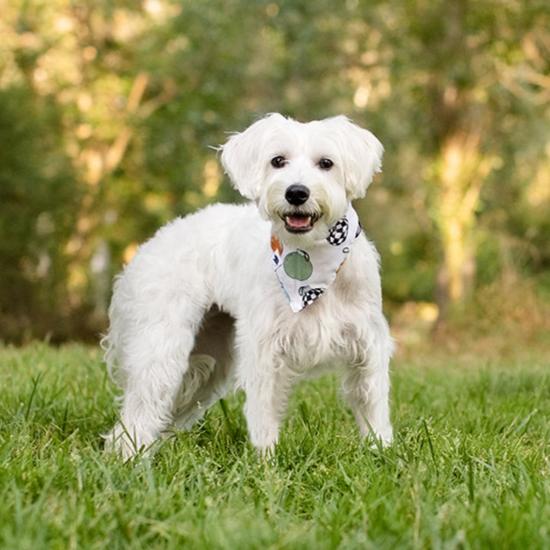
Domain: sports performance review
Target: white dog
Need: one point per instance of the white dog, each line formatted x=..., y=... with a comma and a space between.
x=257, y=296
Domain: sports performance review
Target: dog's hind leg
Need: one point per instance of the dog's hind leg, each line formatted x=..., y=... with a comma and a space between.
x=210, y=367
x=203, y=386
x=153, y=362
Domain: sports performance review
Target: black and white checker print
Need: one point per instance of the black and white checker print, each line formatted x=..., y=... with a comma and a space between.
x=310, y=295
x=338, y=232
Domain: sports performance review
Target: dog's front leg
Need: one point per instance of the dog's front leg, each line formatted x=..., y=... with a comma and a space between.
x=366, y=384
x=267, y=389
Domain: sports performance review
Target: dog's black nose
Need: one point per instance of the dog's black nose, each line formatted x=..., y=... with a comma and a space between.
x=297, y=194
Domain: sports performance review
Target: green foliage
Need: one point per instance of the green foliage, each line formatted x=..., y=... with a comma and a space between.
x=469, y=467
x=109, y=113
x=34, y=170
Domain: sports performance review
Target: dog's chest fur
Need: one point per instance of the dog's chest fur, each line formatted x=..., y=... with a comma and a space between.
x=326, y=332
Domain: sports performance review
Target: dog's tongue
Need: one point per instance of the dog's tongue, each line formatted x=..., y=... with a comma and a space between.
x=298, y=222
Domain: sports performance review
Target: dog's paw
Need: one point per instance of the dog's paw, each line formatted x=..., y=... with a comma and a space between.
x=266, y=453
x=120, y=443
x=379, y=439
x=264, y=437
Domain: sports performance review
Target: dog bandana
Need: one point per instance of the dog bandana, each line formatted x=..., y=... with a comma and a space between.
x=305, y=274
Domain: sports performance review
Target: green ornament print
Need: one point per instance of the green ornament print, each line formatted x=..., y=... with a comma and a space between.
x=297, y=265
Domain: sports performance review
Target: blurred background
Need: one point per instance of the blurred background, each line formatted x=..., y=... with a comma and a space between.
x=109, y=110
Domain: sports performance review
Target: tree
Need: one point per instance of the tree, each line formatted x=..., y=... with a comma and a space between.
x=110, y=113
x=472, y=70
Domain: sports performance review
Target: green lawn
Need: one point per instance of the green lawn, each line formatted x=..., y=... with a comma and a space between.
x=469, y=469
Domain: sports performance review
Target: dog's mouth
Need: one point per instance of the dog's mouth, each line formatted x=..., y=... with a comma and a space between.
x=298, y=222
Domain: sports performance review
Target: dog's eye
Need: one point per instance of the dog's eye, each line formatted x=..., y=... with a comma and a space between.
x=278, y=161
x=325, y=164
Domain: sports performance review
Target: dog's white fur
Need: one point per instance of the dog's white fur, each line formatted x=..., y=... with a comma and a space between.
x=199, y=311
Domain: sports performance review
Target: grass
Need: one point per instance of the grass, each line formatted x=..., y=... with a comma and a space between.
x=469, y=469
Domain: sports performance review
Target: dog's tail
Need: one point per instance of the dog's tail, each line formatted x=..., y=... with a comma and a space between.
x=109, y=342
x=109, y=355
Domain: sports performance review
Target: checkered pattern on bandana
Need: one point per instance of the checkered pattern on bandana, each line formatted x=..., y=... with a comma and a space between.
x=339, y=232
x=310, y=295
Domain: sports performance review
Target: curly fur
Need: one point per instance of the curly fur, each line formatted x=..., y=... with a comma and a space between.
x=199, y=312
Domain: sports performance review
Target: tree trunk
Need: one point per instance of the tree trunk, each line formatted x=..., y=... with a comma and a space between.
x=463, y=170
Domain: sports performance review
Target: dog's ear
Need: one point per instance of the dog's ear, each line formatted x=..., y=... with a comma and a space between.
x=361, y=154
x=241, y=156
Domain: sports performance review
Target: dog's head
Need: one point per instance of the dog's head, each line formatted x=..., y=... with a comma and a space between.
x=302, y=175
